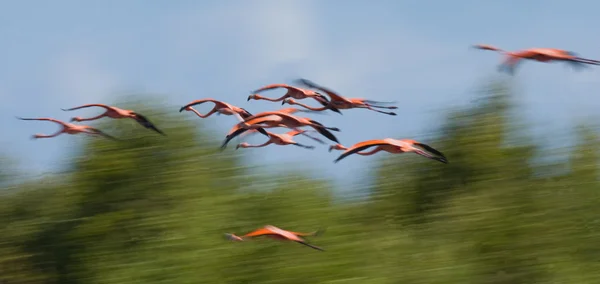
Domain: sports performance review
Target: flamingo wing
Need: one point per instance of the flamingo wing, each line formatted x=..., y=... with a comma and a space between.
x=245, y=114
x=260, y=232
x=329, y=92
x=88, y=105
x=274, y=86
x=324, y=101
x=266, y=118
x=361, y=146
x=146, y=123
x=238, y=129
x=431, y=152
x=510, y=64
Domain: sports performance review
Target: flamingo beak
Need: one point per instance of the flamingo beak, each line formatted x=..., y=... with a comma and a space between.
x=441, y=159
x=249, y=98
x=233, y=237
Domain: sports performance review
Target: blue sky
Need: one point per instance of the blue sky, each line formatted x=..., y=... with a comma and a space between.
x=57, y=54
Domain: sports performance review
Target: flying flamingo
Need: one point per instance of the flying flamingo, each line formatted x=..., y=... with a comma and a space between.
x=283, y=139
x=341, y=102
x=395, y=146
x=278, y=119
x=219, y=108
x=289, y=110
x=513, y=58
x=116, y=113
x=68, y=128
x=279, y=234
x=292, y=92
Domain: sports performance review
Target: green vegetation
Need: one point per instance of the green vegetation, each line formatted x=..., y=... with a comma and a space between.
x=153, y=209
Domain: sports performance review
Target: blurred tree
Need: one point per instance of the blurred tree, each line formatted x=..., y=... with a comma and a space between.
x=153, y=209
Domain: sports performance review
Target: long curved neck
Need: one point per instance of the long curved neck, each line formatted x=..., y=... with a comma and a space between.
x=309, y=107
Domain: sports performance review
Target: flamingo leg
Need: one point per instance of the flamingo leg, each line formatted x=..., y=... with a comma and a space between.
x=385, y=107
x=384, y=112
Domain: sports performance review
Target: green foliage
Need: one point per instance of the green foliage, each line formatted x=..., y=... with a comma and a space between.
x=153, y=209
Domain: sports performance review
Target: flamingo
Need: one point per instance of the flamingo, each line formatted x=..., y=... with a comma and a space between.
x=538, y=54
x=292, y=92
x=68, y=128
x=341, y=102
x=283, y=139
x=116, y=113
x=278, y=119
x=277, y=233
x=395, y=146
x=219, y=108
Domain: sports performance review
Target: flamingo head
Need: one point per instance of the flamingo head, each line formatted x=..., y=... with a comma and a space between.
x=233, y=237
x=77, y=118
x=485, y=47
x=242, y=145
x=254, y=97
x=336, y=147
x=288, y=101
x=36, y=136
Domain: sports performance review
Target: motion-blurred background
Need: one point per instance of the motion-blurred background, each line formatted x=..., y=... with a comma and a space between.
x=518, y=203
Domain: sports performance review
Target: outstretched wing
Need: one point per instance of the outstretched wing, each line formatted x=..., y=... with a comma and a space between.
x=361, y=146
x=324, y=101
x=146, y=123
x=437, y=154
x=260, y=232
x=330, y=93
x=88, y=105
x=245, y=114
x=273, y=86
x=266, y=118
x=510, y=64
